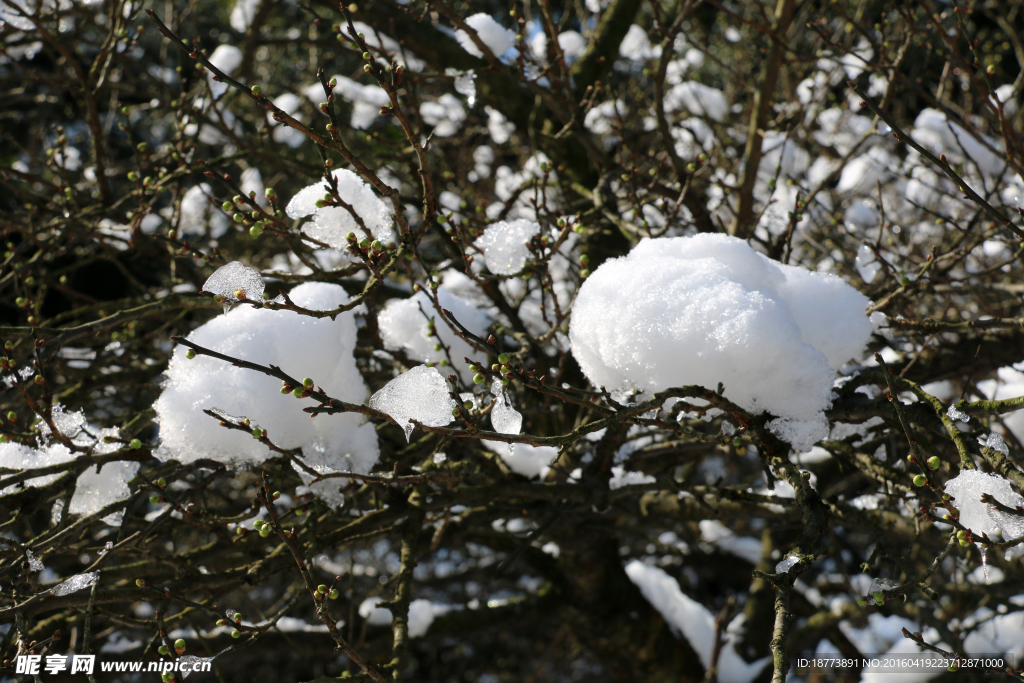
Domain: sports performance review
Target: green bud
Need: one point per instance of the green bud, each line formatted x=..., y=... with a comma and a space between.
x=737, y=442
x=585, y=273
x=879, y=597
x=265, y=531
x=190, y=354
x=321, y=588
x=456, y=411
x=163, y=650
x=236, y=634
x=474, y=368
x=308, y=383
x=478, y=378
x=155, y=500
x=920, y=480
x=503, y=359
x=257, y=229
x=257, y=433
x=161, y=482
x=862, y=601
x=141, y=583
x=238, y=618
x=952, y=667
x=275, y=495
x=179, y=644
x=333, y=595
x=468, y=405
x=364, y=244
x=227, y=206
x=256, y=90
x=135, y=444
x=297, y=392
x=934, y=462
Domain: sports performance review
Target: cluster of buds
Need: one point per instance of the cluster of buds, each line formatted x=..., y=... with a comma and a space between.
x=263, y=527
x=322, y=591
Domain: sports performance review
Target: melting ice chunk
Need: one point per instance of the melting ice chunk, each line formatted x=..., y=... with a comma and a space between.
x=232, y=278
x=504, y=245
x=33, y=562
x=189, y=663
x=879, y=585
x=465, y=83
x=995, y=442
x=68, y=424
x=969, y=486
x=957, y=415
x=76, y=583
x=504, y=418
x=786, y=564
x=420, y=394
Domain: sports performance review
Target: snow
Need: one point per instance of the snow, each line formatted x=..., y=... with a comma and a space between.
x=94, y=490
x=227, y=58
x=620, y=477
x=75, y=583
x=235, y=277
x=698, y=99
x=496, y=37
x=1001, y=634
x=867, y=265
x=498, y=127
x=366, y=99
x=445, y=115
x=331, y=224
x=243, y=13
x=404, y=326
x=745, y=547
x=526, y=460
x=33, y=562
x=690, y=618
x=940, y=136
x=375, y=616
x=1009, y=384
x=968, y=487
x=303, y=347
x=772, y=334
x=504, y=245
x=995, y=442
x=421, y=394
x=198, y=212
x=787, y=564
x=636, y=46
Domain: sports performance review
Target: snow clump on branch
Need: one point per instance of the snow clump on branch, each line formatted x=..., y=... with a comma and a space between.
x=709, y=309
x=302, y=346
x=969, y=486
x=331, y=224
x=496, y=37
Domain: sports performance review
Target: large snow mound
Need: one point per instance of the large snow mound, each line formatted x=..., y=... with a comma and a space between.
x=303, y=347
x=709, y=309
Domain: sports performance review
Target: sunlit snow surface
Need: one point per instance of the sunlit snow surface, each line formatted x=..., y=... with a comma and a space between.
x=708, y=309
x=303, y=347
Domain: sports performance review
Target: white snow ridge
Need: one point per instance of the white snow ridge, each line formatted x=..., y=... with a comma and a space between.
x=709, y=309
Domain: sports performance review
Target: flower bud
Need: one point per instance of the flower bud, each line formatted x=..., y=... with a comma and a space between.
x=321, y=588
x=161, y=482
x=333, y=83
x=179, y=644
x=879, y=597
x=503, y=359
x=298, y=391
x=155, y=500
x=333, y=595
x=190, y=354
x=920, y=480
x=256, y=90
x=308, y=383
x=478, y=378
x=141, y=583
x=934, y=462
x=163, y=650
x=236, y=634
x=135, y=444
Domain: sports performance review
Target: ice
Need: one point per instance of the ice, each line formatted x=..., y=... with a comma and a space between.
x=960, y=416
x=230, y=614
x=189, y=663
x=698, y=99
x=526, y=460
x=404, y=325
x=331, y=224
x=421, y=394
x=33, y=562
x=198, y=212
x=995, y=442
x=879, y=585
x=504, y=418
x=465, y=83
x=691, y=619
x=68, y=424
x=303, y=347
x=76, y=583
x=772, y=334
x=232, y=278
x=496, y=37
x=787, y=564
x=57, y=511
x=375, y=616
x=967, y=489
x=24, y=374
x=445, y=115
x=727, y=428
x=504, y=245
